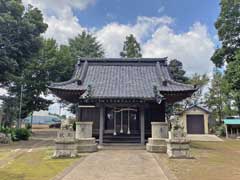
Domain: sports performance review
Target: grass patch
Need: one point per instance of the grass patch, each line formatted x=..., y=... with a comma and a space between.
x=212, y=161
x=35, y=165
x=4, y=154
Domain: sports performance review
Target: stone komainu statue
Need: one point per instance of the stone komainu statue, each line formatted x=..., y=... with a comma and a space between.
x=66, y=124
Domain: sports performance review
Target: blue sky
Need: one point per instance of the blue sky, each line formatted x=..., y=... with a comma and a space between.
x=185, y=12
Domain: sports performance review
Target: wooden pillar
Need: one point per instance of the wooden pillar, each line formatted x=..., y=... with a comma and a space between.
x=142, y=122
x=115, y=122
x=226, y=129
x=128, y=128
x=101, y=125
x=121, y=129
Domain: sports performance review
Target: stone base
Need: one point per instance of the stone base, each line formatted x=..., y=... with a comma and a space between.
x=178, y=148
x=156, y=145
x=65, y=149
x=86, y=145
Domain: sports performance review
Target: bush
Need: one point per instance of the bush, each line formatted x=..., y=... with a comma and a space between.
x=21, y=134
x=220, y=130
x=16, y=134
x=5, y=130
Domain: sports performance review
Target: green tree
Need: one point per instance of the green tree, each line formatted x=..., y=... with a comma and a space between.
x=9, y=111
x=217, y=97
x=177, y=72
x=228, y=26
x=36, y=78
x=199, y=80
x=20, y=31
x=233, y=78
x=59, y=62
x=131, y=48
x=85, y=45
x=51, y=63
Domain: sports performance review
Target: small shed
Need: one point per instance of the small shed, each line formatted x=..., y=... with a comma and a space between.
x=232, y=127
x=195, y=120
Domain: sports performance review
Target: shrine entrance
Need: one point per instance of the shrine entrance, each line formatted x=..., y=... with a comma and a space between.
x=122, y=121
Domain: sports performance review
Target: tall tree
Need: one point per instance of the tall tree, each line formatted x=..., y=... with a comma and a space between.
x=85, y=45
x=217, y=97
x=233, y=78
x=228, y=26
x=9, y=109
x=35, y=80
x=131, y=48
x=177, y=71
x=199, y=80
x=58, y=61
x=20, y=31
x=51, y=63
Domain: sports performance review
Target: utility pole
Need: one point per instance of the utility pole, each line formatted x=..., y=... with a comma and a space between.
x=20, y=108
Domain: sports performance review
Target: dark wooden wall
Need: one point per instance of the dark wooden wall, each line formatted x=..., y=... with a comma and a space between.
x=93, y=115
x=153, y=113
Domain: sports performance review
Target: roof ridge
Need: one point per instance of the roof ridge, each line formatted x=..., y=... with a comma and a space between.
x=161, y=60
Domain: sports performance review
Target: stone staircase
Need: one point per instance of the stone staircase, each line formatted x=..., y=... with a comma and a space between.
x=122, y=139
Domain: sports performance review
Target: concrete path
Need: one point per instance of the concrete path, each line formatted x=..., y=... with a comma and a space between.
x=117, y=165
x=204, y=137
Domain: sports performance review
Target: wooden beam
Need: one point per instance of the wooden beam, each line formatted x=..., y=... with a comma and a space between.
x=101, y=125
x=142, y=122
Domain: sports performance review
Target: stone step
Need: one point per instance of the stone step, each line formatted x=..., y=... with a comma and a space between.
x=156, y=148
x=157, y=141
x=86, y=141
x=121, y=139
x=121, y=146
x=85, y=148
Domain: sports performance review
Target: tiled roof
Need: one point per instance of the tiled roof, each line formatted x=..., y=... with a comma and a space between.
x=122, y=78
x=198, y=107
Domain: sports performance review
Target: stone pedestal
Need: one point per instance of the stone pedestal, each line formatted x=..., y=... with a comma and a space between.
x=65, y=145
x=84, y=139
x=178, y=148
x=157, y=142
x=159, y=129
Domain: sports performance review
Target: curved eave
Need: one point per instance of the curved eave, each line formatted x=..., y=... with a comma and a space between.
x=175, y=96
x=72, y=95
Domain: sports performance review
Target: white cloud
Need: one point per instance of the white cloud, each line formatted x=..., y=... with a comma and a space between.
x=58, y=5
x=58, y=14
x=113, y=35
x=194, y=48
